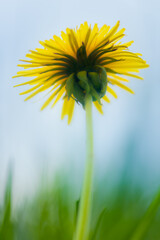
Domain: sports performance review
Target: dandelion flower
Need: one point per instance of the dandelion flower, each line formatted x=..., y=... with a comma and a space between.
x=83, y=60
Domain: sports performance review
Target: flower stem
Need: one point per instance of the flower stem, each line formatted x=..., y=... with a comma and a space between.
x=86, y=196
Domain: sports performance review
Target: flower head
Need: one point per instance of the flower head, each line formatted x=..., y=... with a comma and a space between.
x=82, y=61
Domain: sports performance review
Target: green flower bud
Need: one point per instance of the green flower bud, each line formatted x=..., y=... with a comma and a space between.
x=86, y=79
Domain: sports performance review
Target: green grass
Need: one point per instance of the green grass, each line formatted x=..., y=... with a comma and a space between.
x=122, y=213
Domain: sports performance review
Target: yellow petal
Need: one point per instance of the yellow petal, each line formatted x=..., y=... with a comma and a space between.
x=111, y=32
x=59, y=95
x=106, y=99
x=133, y=75
x=111, y=91
x=51, y=97
x=122, y=86
x=98, y=106
x=42, y=88
x=116, y=77
x=71, y=105
x=31, y=89
x=64, y=108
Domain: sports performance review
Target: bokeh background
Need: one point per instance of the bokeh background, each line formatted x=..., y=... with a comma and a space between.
x=128, y=134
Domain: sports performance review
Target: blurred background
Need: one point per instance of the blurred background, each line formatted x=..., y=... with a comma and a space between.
x=128, y=134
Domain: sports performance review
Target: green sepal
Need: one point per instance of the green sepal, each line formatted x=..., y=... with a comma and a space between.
x=103, y=60
x=95, y=95
x=82, y=56
x=72, y=59
x=79, y=94
x=103, y=79
x=95, y=80
x=70, y=85
x=83, y=80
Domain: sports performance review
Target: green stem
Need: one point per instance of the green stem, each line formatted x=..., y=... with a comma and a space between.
x=86, y=196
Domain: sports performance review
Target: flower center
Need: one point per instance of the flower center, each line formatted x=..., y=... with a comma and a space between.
x=87, y=78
